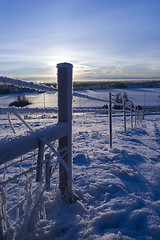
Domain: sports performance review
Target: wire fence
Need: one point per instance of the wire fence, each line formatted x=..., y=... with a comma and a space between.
x=24, y=178
x=38, y=161
x=28, y=162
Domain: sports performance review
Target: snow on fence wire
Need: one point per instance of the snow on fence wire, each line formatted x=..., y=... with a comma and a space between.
x=31, y=85
x=27, y=164
x=125, y=109
x=12, y=110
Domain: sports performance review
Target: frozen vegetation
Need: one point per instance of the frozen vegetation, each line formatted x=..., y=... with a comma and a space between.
x=116, y=191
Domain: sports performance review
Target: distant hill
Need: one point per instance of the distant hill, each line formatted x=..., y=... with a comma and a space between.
x=114, y=84
x=96, y=85
x=8, y=88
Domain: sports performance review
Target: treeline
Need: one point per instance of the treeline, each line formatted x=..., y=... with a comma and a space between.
x=92, y=85
x=9, y=88
x=85, y=85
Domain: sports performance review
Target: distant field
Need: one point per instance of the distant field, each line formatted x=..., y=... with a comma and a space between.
x=146, y=97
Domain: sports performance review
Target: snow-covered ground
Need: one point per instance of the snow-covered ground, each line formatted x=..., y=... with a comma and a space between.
x=117, y=193
x=146, y=97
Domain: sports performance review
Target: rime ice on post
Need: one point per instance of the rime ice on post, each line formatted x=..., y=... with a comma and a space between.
x=65, y=115
x=110, y=119
x=124, y=115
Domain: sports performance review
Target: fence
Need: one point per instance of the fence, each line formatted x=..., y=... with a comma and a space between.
x=24, y=171
x=28, y=163
x=113, y=109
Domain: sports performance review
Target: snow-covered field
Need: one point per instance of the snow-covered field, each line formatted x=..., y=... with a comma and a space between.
x=117, y=191
x=147, y=97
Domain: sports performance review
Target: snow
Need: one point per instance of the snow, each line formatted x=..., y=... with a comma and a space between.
x=24, y=84
x=116, y=191
x=148, y=97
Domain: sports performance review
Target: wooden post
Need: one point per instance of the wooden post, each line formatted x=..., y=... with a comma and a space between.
x=48, y=171
x=65, y=115
x=1, y=226
x=124, y=112
x=40, y=161
x=110, y=119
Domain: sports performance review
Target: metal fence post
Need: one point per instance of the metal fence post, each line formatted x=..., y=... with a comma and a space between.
x=143, y=114
x=135, y=115
x=131, y=116
x=65, y=115
x=138, y=117
x=124, y=112
x=110, y=119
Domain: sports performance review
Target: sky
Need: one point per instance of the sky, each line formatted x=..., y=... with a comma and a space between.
x=103, y=39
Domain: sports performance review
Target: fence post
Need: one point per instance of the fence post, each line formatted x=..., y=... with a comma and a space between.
x=124, y=112
x=48, y=170
x=135, y=112
x=131, y=116
x=1, y=226
x=39, y=161
x=110, y=119
x=65, y=115
x=138, y=117
x=143, y=114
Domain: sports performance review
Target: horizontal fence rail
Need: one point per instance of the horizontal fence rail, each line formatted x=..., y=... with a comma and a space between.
x=15, y=147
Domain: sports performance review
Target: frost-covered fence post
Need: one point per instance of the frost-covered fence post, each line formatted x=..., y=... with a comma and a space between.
x=39, y=161
x=131, y=116
x=65, y=115
x=138, y=117
x=135, y=112
x=110, y=119
x=48, y=171
x=143, y=114
x=124, y=115
x=1, y=227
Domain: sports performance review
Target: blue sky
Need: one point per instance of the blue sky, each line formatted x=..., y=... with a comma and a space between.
x=101, y=38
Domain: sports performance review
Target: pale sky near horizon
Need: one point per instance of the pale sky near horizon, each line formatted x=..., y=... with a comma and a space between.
x=101, y=38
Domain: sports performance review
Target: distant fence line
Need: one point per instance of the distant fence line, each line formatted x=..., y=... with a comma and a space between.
x=126, y=107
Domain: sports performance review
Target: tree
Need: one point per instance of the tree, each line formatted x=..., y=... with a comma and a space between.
x=21, y=101
x=119, y=100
